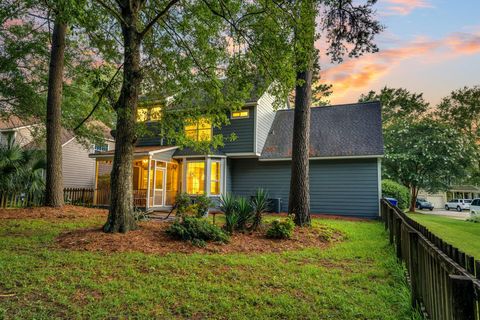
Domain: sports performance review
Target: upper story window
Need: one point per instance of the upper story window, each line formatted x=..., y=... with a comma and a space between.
x=244, y=113
x=200, y=130
x=149, y=113
x=101, y=147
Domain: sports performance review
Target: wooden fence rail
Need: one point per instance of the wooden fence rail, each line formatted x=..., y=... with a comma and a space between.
x=77, y=196
x=444, y=281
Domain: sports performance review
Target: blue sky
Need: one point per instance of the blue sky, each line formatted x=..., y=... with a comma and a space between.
x=429, y=46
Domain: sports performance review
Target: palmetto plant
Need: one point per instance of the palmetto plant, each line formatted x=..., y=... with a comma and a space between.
x=229, y=206
x=245, y=213
x=260, y=205
x=21, y=171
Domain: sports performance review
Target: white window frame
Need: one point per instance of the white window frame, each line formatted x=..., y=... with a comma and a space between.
x=208, y=167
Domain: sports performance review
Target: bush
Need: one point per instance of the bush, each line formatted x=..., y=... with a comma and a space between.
x=202, y=203
x=392, y=189
x=245, y=214
x=228, y=204
x=260, y=205
x=196, y=230
x=281, y=229
x=183, y=201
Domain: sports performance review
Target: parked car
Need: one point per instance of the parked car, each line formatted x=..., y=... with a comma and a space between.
x=475, y=207
x=423, y=204
x=458, y=204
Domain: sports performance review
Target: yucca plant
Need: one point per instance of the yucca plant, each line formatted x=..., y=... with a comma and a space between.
x=245, y=213
x=260, y=205
x=229, y=205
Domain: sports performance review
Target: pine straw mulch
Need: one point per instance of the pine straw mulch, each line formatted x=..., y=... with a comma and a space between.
x=152, y=238
x=66, y=212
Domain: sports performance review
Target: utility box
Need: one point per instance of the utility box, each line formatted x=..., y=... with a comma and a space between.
x=275, y=205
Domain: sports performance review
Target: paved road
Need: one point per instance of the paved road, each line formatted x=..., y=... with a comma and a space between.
x=448, y=213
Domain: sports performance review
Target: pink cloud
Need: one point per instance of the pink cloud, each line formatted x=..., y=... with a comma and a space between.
x=356, y=74
x=405, y=7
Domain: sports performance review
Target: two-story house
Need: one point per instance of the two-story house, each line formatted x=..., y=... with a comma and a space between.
x=345, y=151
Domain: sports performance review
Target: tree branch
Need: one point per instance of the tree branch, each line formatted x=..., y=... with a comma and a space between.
x=112, y=11
x=159, y=15
x=99, y=98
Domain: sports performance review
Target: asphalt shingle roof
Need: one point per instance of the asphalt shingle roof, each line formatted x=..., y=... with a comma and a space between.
x=348, y=130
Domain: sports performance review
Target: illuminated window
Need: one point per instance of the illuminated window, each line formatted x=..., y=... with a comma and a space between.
x=142, y=114
x=244, y=113
x=215, y=175
x=200, y=130
x=196, y=177
x=149, y=114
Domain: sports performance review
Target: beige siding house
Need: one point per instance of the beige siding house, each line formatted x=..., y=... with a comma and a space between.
x=78, y=168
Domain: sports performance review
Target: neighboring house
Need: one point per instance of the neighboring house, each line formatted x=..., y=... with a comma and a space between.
x=78, y=168
x=346, y=146
x=439, y=199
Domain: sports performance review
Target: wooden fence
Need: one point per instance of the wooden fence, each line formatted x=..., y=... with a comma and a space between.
x=77, y=196
x=444, y=281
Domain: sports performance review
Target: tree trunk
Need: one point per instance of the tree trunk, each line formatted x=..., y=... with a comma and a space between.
x=413, y=199
x=299, y=199
x=54, y=180
x=120, y=217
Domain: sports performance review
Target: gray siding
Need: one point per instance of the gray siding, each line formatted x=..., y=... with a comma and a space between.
x=340, y=187
x=244, y=129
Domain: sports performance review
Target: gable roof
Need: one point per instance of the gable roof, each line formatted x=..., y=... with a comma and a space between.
x=349, y=130
x=12, y=122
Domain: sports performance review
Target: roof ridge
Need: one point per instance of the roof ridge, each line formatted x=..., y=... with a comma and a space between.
x=336, y=105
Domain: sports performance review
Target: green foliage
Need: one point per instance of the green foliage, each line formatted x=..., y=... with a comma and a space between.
x=281, y=229
x=245, y=214
x=397, y=104
x=202, y=203
x=425, y=154
x=392, y=189
x=21, y=170
x=140, y=215
x=183, y=201
x=196, y=230
x=228, y=204
x=260, y=205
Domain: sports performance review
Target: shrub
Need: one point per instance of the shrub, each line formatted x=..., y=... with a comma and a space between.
x=281, y=229
x=140, y=215
x=260, y=205
x=183, y=201
x=202, y=203
x=392, y=189
x=197, y=231
x=228, y=204
x=245, y=213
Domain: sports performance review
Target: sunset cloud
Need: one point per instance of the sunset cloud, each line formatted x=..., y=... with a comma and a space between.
x=405, y=7
x=355, y=74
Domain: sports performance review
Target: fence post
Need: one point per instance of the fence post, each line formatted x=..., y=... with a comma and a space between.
x=398, y=237
x=463, y=305
x=413, y=252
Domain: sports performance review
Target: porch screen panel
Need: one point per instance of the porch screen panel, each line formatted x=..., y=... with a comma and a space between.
x=196, y=177
x=215, y=178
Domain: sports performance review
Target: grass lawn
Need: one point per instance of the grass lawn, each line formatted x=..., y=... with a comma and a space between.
x=358, y=278
x=461, y=234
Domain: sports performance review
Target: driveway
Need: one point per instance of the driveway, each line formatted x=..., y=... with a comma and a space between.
x=448, y=213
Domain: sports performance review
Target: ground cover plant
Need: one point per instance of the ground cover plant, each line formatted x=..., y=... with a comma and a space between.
x=459, y=233
x=356, y=278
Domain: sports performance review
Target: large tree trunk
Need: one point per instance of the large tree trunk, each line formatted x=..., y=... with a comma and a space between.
x=120, y=217
x=54, y=180
x=299, y=200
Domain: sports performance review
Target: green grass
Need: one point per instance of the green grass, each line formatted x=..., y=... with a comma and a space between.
x=461, y=234
x=358, y=278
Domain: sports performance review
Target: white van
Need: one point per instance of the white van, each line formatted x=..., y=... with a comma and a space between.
x=475, y=207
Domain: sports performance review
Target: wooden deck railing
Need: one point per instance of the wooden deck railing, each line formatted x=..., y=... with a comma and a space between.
x=76, y=196
x=444, y=281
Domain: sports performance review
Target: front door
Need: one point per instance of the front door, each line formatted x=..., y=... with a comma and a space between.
x=159, y=184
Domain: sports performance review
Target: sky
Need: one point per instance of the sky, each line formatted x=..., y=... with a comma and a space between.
x=428, y=46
